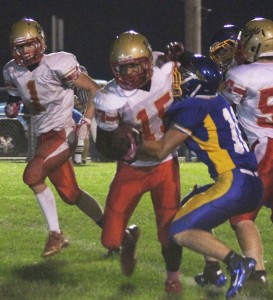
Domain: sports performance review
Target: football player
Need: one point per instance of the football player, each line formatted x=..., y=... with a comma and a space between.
x=80, y=100
x=206, y=123
x=249, y=87
x=45, y=83
x=226, y=51
x=139, y=95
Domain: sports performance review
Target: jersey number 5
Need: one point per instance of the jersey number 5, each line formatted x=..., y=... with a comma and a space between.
x=266, y=108
x=143, y=117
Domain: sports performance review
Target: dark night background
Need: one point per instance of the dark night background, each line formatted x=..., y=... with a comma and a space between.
x=91, y=25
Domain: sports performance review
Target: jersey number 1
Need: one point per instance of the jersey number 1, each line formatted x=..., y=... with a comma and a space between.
x=34, y=105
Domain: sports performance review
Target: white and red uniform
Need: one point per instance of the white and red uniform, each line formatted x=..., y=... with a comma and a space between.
x=145, y=110
x=48, y=94
x=250, y=87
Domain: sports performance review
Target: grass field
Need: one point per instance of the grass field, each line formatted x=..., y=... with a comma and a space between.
x=82, y=271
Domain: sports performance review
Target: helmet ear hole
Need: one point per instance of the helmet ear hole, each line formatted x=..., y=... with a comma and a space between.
x=27, y=31
x=131, y=48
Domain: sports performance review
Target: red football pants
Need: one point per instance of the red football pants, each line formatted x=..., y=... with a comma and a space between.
x=127, y=187
x=265, y=171
x=52, y=160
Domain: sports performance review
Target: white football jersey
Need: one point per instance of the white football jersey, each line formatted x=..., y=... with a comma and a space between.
x=46, y=91
x=140, y=108
x=250, y=87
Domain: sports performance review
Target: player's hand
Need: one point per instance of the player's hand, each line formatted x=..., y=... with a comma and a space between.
x=12, y=109
x=127, y=140
x=173, y=51
x=83, y=128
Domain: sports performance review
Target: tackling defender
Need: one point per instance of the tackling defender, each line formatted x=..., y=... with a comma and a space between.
x=206, y=123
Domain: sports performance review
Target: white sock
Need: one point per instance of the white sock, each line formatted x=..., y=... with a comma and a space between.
x=47, y=204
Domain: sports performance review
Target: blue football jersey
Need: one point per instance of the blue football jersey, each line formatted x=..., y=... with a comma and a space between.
x=214, y=133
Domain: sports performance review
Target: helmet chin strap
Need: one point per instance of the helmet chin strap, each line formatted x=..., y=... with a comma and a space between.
x=257, y=52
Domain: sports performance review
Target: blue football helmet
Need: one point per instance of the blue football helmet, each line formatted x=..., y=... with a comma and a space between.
x=200, y=76
x=224, y=45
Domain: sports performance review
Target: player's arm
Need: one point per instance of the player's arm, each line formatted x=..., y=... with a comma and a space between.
x=119, y=144
x=161, y=148
x=86, y=83
x=12, y=107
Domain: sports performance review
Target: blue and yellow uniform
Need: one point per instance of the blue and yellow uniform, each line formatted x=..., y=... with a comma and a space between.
x=216, y=139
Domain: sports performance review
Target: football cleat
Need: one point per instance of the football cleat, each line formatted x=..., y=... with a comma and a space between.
x=212, y=274
x=219, y=279
x=173, y=287
x=54, y=244
x=240, y=271
x=128, y=255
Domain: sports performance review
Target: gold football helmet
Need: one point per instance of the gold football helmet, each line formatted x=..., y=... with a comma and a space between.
x=256, y=39
x=131, y=49
x=27, y=31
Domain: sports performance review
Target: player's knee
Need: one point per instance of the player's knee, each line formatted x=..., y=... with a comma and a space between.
x=34, y=174
x=112, y=239
x=28, y=181
x=164, y=239
x=239, y=219
x=180, y=238
x=31, y=180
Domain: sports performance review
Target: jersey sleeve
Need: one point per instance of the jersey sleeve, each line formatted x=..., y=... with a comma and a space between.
x=109, y=107
x=9, y=84
x=234, y=86
x=65, y=66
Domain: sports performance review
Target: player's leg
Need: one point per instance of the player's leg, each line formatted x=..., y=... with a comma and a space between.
x=246, y=231
x=64, y=180
x=233, y=192
x=205, y=243
x=34, y=176
x=165, y=193
x=124, y=194
x=250, y=242
x=212, y=272
x=85, y=153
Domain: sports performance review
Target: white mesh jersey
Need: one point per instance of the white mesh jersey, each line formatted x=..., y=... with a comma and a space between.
x=46, y=91
x=250, y=87
x=140, y=108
